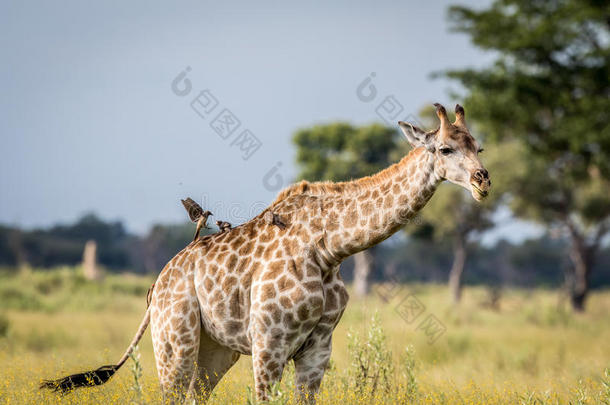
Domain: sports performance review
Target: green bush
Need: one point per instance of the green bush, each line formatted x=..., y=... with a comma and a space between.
x=13, y=298
x=371, y=365
x=408, y=373
x=48, y=283
x=42, y=341
x=4, y=325
x=66, y=289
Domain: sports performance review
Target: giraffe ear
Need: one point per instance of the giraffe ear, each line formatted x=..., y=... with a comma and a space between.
x=416, y=136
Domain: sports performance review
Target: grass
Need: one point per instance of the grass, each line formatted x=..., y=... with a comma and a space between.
x=533, y=350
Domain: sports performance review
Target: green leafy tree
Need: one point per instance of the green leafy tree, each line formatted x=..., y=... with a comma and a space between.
x=454, y=215
x=341, y=152
x=549, y=87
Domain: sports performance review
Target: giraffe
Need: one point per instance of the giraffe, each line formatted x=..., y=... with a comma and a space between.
x=275, y=293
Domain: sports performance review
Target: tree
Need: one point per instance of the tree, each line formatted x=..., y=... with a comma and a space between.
x=341, y=152
x=550, y=89
x=454, y=215
x=151, y=252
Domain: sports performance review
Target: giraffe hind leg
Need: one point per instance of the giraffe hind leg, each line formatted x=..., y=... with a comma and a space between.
x=175, y=329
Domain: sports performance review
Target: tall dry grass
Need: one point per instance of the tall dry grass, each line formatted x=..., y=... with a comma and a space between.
x=532, y=350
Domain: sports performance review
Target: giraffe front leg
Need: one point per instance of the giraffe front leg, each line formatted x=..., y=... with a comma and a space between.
x=310, y=364
x=268, y=358
x=267, y=372
x=311, y=360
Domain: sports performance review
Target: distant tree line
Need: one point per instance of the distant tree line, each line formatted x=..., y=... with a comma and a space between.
x=538, y=262
x=117, y=249
x=420, y=258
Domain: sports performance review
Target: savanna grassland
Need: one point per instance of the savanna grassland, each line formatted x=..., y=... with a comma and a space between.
x=531, y=349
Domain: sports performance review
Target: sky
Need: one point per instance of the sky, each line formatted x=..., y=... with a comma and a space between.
x=94, y=118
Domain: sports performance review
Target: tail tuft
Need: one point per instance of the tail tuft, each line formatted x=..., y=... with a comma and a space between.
x=86, y=379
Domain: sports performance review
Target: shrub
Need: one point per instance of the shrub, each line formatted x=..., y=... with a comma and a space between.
x=4, y=325
x=136, y=371
x=11, y=297
x=408, y=372
x=42, y=341
x=606, y=385
x=371, y=365
x=48, y=283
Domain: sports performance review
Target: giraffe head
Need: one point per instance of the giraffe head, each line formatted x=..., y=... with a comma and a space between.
x=455, y=151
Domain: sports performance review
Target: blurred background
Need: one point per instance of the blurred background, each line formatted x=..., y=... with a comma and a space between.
x=111, y=112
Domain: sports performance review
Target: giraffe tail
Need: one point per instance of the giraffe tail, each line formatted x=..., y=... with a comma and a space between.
x=99, y=376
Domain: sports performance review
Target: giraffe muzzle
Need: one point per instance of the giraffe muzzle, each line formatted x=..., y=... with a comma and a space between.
x=480, y=184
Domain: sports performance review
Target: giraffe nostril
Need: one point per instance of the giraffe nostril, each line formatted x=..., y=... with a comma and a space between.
x=480, y=175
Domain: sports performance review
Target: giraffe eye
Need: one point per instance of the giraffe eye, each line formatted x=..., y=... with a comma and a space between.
x=446, y=151
x=480, y=150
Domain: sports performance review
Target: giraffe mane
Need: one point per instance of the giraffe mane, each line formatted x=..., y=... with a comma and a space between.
x=305, y=187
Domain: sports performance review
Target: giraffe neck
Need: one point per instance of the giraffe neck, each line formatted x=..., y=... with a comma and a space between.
x=374, y=208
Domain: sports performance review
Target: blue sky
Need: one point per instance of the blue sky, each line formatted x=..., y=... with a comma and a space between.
x=89, y=121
